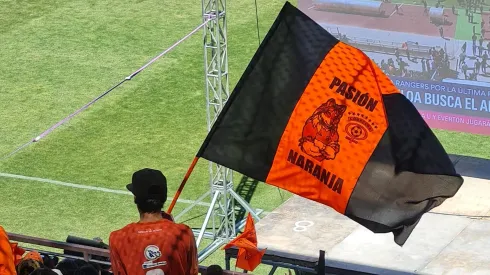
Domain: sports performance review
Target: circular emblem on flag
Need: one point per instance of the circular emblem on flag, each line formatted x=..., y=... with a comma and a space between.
x=358, y=127
x=355, y=132
x=152, y=252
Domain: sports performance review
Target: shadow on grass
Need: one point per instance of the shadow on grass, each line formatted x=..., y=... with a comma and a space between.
x=246, y=189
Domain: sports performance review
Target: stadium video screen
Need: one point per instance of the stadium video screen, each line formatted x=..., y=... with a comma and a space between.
x=435, y=52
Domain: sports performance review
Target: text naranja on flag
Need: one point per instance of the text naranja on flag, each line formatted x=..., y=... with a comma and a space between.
x=317, y=117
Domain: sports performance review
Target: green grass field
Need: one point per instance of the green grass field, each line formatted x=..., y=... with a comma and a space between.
x=58, y=55
x=464, y=29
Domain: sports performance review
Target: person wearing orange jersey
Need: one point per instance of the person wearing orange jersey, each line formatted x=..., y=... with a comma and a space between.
x=155, y=245
x=7, y=266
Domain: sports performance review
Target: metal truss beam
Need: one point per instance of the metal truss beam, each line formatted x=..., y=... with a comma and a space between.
x=221, y=213
x=219, y=225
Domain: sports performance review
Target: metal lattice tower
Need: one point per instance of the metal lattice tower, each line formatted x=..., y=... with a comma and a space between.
x=221, y=213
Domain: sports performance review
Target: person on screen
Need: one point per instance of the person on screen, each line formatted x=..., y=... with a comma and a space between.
x=403, y=66
x=465, y=70
x=484, y=63
x=480, y=47
x=398, y=9
x=473, y=38
x=155, y=245
x=462, y=58
x=424, y=67
x=391, y=62
x=407, y=51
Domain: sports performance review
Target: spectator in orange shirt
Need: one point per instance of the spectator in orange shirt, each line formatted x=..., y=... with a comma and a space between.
x=7, y=266
x=155, y=245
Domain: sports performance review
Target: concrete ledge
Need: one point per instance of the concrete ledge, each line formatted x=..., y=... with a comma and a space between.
x=471, y=166
x=452, y=239
x=472, y=199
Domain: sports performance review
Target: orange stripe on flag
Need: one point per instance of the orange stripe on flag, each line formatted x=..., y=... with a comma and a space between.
x=333, y=130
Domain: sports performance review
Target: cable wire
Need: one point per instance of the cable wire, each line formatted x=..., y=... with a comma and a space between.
x=129, y=77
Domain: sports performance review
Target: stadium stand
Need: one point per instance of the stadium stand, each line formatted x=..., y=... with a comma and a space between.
x=87, y=253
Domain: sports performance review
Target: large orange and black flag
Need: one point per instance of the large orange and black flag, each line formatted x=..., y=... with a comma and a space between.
x=317, y=117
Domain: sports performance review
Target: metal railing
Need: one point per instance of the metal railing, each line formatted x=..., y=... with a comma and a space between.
x=87, y=251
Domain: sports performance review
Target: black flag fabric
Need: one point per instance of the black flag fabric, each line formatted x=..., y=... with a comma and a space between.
x=317, y=117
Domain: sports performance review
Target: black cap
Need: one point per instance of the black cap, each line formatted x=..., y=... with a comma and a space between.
x=148, y=184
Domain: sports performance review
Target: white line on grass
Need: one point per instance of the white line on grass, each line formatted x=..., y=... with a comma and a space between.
x=94, y=188
x=86, y=187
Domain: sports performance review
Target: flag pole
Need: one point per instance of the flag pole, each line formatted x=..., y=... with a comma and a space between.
x=182, y=184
